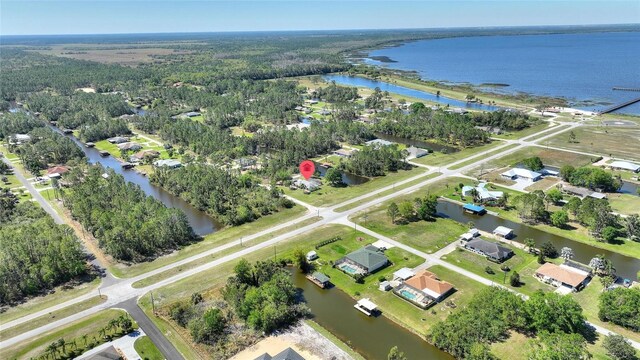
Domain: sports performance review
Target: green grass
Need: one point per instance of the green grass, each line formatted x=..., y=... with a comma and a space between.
x=147, y=349
x=526, y=132
x=555, y=129
x=89, y=325
x=324, y=332
x=210, y=241
x=6, y=333
x=619, y=142
x=42, y=302
x=473, y=160
x=522, y=262
x=440, y=159
x=387, y=192
x=588, y=298
x=328, y=195
x=624, y=203
x=166, y=274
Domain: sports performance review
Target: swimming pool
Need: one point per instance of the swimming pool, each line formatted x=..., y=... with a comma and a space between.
x=407, y=294
x=349, y=269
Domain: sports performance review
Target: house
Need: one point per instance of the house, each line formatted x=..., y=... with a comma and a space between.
x=129, y=146
x=57, y=171
x=366, y=306
x=192, y=114
x=117, y=140
x=563, y=275
x=403, y=274
x=363, y=261
x=20, y=139
x=170, y=163
x=490, y=129
x=519, y=173
x=377, y=143
x=624, y=165
x=311, y=184
x=109, y=353
x=503, y=231
x=347, y=153
x=140, y=155
x=582, y=192
x=415, y=152
x=312, y=255
x=429, y=284
x=490, y=250
x=483, y=193
x=319, y=279
x=286, y=354
x=474, y=209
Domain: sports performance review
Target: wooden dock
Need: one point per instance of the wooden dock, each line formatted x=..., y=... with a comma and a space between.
x=619, y=106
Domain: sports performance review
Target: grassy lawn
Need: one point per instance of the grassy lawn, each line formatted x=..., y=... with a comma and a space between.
x=166, y=274
x=526, y=132
x=624, y=203
x=89, y=326
x=522, y=262
x=328, y=195
x=42, y=302
x=384, y=193
x=543, y=184
x=147, y=349
x=619, y=142
x=52, y=316
x=210, y=241
x=441, y=159
x=471, y=161
x=589, y=300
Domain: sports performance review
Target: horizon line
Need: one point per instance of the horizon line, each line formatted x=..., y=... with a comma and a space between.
x=332, y=30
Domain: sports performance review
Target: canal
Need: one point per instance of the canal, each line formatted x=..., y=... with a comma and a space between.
x=372, y=337
x=347, y=178
x=625, y=266
x=201, y=223
x=401, y=90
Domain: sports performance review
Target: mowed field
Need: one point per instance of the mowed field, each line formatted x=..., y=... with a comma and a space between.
x=109, y=55
x=621, y=142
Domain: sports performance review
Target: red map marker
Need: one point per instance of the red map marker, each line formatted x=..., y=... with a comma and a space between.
x=307, y=168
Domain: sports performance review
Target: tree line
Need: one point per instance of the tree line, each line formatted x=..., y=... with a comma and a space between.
x=129, y=225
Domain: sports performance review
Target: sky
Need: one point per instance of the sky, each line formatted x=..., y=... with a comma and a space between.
x=27, y=17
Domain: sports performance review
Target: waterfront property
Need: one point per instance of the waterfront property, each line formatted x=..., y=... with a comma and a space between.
x=366, y=260
x=503, y=231
x=519, y=173
x=492, y=251
x=415, y=152
x=424, y=289
x=309, y=185
x=474, y=209
x=286, y=354
x=118, y=140
x=624, y=165
x=582, y=192
x=563, y=275
x=129, y=146
x=319, y=279
x=170, y=163
x=57, y=171
x=377, y=143
x=483, y=194
x=366, y=306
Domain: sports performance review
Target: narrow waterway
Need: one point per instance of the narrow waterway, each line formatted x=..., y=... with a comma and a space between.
x=401, y=90
x=372, y=337
x=625, y=266
x=347, y=178
x=201, y=223
x=629, y=188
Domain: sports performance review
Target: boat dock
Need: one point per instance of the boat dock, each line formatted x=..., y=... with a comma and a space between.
x=366, y=306
x=619, y=106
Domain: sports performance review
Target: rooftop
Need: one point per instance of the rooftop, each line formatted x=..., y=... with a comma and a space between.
x=367, y=304
x=563, y=273
x=429, y=283
x=625, y=165
x=368, y=258
x=378, y=142
x=502, y=230
x=473, y=207
x=525, y=173
x=320, y=277
x=403, y=273
x=489, y=248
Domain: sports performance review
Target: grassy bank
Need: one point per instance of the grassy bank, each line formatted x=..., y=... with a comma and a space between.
x=147, y=349
x=621, y=142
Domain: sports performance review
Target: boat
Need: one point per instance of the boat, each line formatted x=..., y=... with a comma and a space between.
x=104, y=153
x=366, y=306
x=89, y=144
x=128, y=165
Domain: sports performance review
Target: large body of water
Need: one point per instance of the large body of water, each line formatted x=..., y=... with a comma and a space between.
x=582, y=68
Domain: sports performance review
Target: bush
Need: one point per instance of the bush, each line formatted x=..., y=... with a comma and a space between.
x=619, y=348
x=489, y=270
x=514, y=280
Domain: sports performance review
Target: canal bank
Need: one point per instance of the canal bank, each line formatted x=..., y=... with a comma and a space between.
x=625, y=266
x=372, y=337
x=201, y=223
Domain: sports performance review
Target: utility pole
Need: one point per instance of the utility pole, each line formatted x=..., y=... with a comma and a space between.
x=240, y=241
x=275, y=253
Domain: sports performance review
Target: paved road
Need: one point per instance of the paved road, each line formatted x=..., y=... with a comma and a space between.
x=122, y=291
x=165, y=346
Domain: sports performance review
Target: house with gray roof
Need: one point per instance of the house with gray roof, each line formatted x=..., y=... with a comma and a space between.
x=363, y=261
x=490, y=250
x=286, y=354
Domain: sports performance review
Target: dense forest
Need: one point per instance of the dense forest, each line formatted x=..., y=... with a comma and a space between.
x=229, y=198
x=37, y=255
x=129, y=225
x=376, y=161
x=48, y=147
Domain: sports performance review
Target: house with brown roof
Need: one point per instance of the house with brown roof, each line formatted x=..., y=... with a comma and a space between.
x=140, y=155
x=57, y=171
x=563, y=275
x=424, y=289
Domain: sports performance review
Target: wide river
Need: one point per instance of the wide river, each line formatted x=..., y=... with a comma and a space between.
x=582, y=68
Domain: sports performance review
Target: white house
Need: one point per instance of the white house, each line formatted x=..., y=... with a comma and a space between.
x=517, y=173
x=483, y=193
x=625, y=165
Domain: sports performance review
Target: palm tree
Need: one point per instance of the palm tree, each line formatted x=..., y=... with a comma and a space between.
x=529, y=243
x=63, y=345
x=474, y=193
x=84, y=338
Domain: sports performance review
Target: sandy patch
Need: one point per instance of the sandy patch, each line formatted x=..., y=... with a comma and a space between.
x=302, y=338
x=88, y=90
